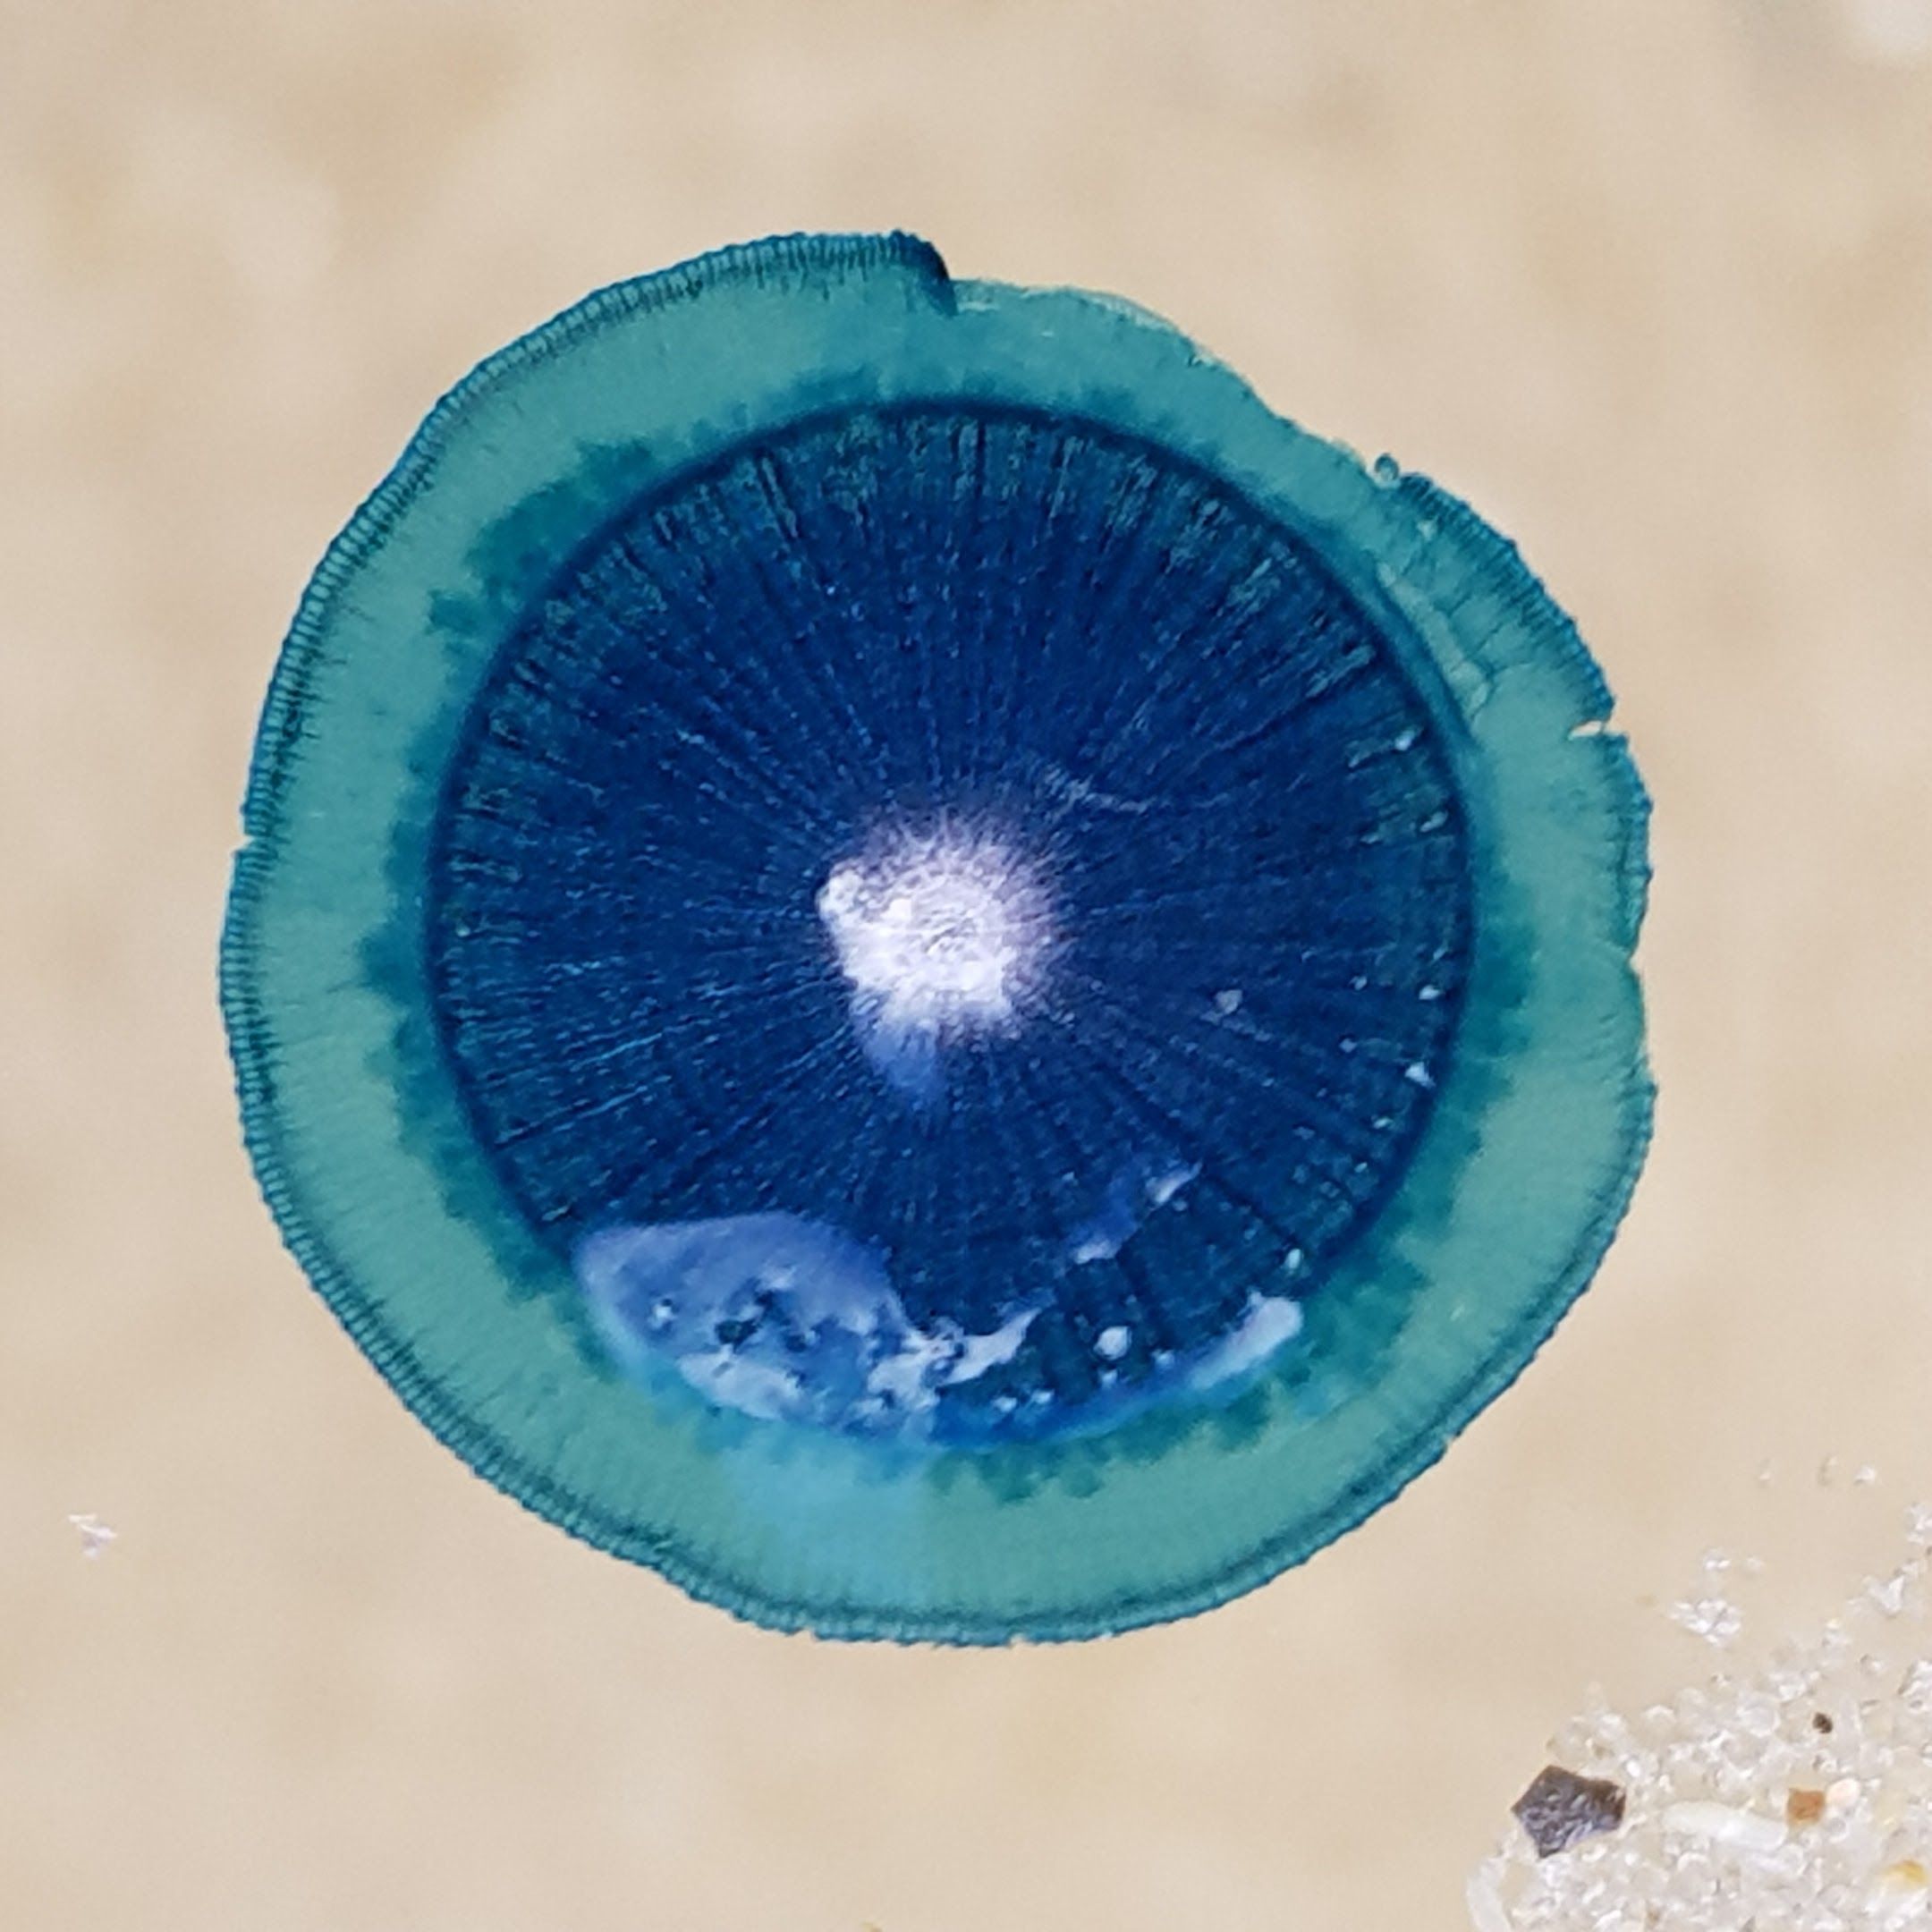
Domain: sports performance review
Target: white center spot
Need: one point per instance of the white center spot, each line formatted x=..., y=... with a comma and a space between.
x=937, y=931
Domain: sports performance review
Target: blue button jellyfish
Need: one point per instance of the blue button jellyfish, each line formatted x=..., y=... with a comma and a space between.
x=900, y=956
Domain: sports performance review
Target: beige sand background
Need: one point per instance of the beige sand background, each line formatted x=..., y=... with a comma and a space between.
x=1648, y=280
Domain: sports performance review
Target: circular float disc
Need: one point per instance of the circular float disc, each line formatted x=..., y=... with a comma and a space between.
x=898, y=956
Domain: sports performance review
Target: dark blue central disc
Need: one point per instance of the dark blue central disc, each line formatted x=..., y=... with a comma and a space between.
x=1155, y=920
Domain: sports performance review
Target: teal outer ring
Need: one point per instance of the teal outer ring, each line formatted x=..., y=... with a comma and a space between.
x=1517, y=1186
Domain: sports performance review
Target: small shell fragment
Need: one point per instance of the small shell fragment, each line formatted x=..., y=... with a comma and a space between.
x=95, y=1535
x=1562, y=1807
x=1888, y=1593
x=1723, y=1824
x=1803, y=1807
x=1899, y=1883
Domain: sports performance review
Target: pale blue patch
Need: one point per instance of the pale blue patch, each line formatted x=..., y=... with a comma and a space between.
x=1270, y=1320
x=1140, y=1186
x=780, y=1316
x=907, y=1057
